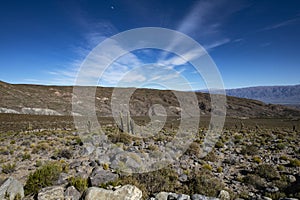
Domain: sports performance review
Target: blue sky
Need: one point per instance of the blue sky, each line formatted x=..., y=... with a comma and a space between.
x=252, y=42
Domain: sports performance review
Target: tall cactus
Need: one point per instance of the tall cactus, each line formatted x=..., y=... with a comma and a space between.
x=121, y=123
x=89, y=126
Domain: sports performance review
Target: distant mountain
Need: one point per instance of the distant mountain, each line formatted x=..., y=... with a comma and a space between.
x=285, y=95
x=57, y=100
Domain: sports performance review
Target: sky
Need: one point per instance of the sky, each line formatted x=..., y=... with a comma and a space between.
x=252, y=43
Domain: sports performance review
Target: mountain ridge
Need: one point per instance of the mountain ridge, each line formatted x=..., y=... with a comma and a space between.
x=57, y=100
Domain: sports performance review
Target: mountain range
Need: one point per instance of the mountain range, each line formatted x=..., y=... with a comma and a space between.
x=284, y=95
x=57, y=100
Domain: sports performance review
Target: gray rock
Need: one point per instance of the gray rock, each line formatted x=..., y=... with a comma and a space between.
x=266, y=198
x=51, y=193
x=72, y=194
x=172, y=196
x=102, y=159
x=12, y=188
x=100, y=176
x=202, y=197
x=291, y=178
x=63, y=179
x=75, y=164
x=183, y=197
x=272, y=189
x=162, y=196
x=224, y=195
x=183, y=178
x=127, y=192
x=87, y=150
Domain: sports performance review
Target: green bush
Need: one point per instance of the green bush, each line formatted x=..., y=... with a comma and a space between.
x=267, y=171
x=250, y=150
x=153, y=182
x=120, y=137
x=219, y=144
x=257, y=159
x=8, y=168
x=26, y=156
x=295, y=162
x=194, y=149
x=79, y=183
x=254, y=180
x=204, y=183
x=45, y=176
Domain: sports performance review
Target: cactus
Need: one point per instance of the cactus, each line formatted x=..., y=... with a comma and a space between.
x=89, y=126
x=121, y=127
x=131, y=127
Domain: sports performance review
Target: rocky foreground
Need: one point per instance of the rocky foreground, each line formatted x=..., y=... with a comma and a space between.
x=12, y=189
x=259, y=163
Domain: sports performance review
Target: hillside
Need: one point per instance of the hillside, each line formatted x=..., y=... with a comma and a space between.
x=56, y=100
x=285, y=95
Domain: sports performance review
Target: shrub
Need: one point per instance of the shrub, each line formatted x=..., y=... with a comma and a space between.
x=283, y=157
x=153, y=147
x=219, y=144
x=207, y=167
x=280, y=146
x=105, y=166
x=204, y=183
x=250, y=150
x=276, y=195
x=254, y=180
x=26, y=156
x=45, y=176
x=18, y=197
x=64, y=153
x=295, y=162
x=219, y=169
x=194, y=149
x=120, y=137
x=267, y=171
x=81, y=184
x=153, y=182
x=9, y=168
x=257, y=159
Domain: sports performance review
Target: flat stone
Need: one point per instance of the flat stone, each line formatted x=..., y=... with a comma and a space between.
x=127, y=192
x=51, y=193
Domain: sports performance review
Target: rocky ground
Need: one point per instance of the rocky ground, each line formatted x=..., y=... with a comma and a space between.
x=245, y=163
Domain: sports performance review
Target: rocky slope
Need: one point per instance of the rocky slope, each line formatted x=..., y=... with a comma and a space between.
x=57, y=100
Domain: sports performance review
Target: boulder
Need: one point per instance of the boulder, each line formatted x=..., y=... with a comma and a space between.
x=51, y=193
x=127, y=192
x=162, y=196
x=100, y=176
x=202, y=197
x=224, y=195
x=171, y=196
x=72, y=193
x=11, y=188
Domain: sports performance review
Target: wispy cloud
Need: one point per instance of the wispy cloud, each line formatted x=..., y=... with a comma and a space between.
x=281, y=24
x=127, y=69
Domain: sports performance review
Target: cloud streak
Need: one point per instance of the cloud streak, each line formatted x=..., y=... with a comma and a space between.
x=281, y=24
